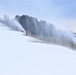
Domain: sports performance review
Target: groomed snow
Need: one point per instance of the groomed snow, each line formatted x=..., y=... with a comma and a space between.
x=19, y=55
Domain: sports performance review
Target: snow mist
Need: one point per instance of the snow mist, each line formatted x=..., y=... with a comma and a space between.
x=47, y=32
x=12, y=24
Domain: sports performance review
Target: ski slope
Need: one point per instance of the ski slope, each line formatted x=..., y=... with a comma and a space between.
x=19, y=55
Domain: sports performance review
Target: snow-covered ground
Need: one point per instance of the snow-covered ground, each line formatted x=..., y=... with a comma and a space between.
x=19, y=55
x=47, y=32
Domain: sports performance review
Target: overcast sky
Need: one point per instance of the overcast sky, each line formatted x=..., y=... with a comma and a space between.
x=58, y=12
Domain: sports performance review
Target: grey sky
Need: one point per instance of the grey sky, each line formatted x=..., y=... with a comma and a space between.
x=55, y=11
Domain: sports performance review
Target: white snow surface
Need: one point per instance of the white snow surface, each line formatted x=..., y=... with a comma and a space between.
x=19, y=55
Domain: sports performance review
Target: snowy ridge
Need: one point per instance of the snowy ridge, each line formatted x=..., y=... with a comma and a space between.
x=41, y=30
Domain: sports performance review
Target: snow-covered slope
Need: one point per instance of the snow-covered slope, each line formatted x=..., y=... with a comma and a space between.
x=44, y=31
x=20, y=56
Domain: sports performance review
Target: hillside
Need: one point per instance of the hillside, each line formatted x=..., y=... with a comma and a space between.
x=19, y=55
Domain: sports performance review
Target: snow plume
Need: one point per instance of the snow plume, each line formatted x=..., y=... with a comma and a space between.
x=12, y=24
x=47, y=32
